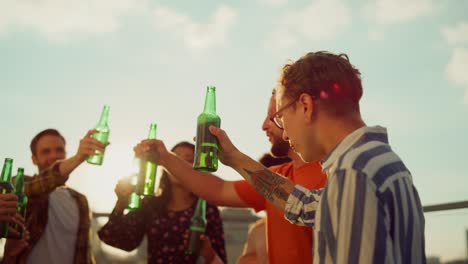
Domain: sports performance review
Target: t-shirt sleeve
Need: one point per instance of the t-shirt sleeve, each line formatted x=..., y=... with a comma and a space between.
x=249, y=195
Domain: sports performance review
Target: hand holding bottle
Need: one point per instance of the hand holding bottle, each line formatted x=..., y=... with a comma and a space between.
x=8, y=204
x=153, y=150
x=89, y=145
x=14, y=247
x=228, y=153
x=123, y=189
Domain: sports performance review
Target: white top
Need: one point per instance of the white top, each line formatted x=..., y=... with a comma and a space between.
x=57, y=243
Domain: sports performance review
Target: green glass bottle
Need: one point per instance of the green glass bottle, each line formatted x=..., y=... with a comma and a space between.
x=134, y=200
x=197, y=227
x=147, y=175
x=6, y=187
x=206, y=147
x=102, y=135
x=22, y=198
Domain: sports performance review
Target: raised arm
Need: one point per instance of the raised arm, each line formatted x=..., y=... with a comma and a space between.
x=210, y=187
x=58, y=173
x=274, y=187
x=124, y=231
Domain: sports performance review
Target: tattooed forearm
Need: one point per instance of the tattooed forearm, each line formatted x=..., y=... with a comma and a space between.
x=268, y=184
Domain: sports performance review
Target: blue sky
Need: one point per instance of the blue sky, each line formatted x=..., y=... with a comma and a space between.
x=61, y=61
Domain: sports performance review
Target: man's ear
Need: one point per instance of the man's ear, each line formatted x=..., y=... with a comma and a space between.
x=34, y=160
x=306, y=102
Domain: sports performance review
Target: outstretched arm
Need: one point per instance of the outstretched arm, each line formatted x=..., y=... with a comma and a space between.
x=58, y=173
x=272, y=186
x=210, y=187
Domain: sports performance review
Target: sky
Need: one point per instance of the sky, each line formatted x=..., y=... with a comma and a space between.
x=61, y=61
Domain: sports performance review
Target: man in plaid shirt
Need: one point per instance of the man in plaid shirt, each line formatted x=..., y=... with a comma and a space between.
x=58, y=217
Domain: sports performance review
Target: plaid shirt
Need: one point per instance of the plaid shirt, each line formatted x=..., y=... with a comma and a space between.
x=38, y=188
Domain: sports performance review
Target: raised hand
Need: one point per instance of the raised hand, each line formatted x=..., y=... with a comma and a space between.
x=228, y=153
x=89, y=145
x=123, y=189
x=151, y=149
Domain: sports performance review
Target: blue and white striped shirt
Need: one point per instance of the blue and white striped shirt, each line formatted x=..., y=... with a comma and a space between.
x=369, y=211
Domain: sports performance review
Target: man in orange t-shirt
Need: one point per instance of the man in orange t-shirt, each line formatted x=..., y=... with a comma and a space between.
x=286, y=243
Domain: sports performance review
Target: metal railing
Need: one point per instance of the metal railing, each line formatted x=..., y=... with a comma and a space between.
x=445, y=206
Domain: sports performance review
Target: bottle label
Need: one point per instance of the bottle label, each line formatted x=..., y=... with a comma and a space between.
x=206, y=149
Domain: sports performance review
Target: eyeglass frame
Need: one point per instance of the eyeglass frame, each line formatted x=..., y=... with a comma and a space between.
x=275, y=118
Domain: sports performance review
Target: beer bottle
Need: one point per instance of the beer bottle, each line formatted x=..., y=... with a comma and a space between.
x=147, y=174
x=206, y=147
x=197, y=227
x=134, y=200
x=102, y=135
x=6, y=187
x=22, y=198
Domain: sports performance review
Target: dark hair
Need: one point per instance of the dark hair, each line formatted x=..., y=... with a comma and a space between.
x=268, y=160
x=47, y=132
x=329, y=77
x=165, y=185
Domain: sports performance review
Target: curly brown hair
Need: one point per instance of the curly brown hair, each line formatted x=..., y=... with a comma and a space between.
x=325, y=76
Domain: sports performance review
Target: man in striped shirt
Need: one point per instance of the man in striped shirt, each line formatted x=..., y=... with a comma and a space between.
x=370, y=211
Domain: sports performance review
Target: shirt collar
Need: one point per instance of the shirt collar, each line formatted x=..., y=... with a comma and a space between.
x=350, y=140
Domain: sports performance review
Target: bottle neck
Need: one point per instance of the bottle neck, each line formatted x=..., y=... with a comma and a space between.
x=19, y=182
x=210, y=100
x=152, y=131
x=104, y=116
x=6, y=171
x=200, y=209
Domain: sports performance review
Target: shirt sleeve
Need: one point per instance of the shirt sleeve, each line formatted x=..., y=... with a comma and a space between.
x=125, y=231
x=301, y=206
x=45, y=182
x=215, y=232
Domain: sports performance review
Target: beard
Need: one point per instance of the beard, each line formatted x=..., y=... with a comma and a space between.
x=279, y=148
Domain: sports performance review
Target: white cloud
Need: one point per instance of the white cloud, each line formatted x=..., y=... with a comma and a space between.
x=195, y=35
x=457, y=69
x=456, y=35
x=388, y=12
x=322, y=20
x=274, y=3
x=59, y=19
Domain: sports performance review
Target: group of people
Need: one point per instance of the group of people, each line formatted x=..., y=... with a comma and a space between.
x=343, y=196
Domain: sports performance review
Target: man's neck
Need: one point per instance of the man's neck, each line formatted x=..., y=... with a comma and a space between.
x=296, y=160
x=337, y=130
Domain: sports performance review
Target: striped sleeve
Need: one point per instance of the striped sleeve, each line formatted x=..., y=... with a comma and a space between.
x=301, y=206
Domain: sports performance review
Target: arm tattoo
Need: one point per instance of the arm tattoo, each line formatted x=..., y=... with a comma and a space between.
x=267, y=183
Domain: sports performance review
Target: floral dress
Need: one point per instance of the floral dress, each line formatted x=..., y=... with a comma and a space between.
x=165, y=231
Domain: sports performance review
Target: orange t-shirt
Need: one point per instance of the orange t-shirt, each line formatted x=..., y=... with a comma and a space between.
x=286, y=243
